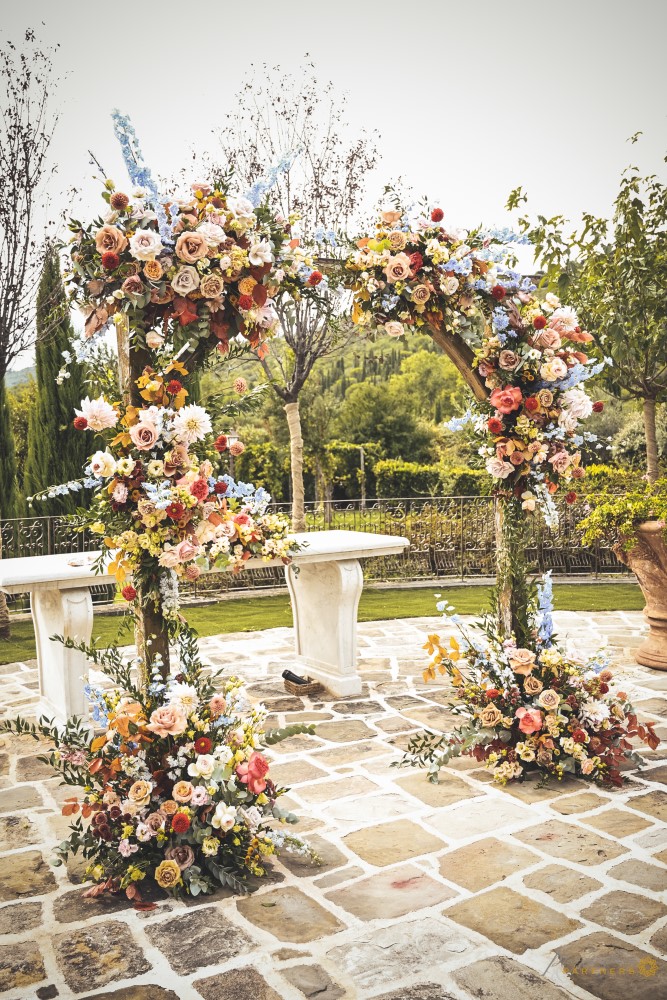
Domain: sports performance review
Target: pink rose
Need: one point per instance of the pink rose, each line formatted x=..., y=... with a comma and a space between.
x=398, y=268
x=506, y=400
x=169, y=720
x=109, y=239
x=485, y=368
x=144, y=435
x=186, y=550
x=169, y=558
x=560, y=461
x=133, y=285
x=192, y=572
x=530, y=720
x=252, y=773
x=508, y=360
x=547, y=339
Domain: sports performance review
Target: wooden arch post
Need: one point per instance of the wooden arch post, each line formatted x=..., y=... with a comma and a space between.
x=150, y=629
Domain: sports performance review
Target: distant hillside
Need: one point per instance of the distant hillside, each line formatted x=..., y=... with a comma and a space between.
x=19, y=377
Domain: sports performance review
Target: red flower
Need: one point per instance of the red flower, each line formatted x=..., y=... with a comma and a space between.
x=203, y=744
x=531, y=404
x=175, y=511
x=129, y=593
x=598, y=407
x=579, y=736
x=570, y=497
x=110, y=260
x=246, y=302
x=180, y=823
x=80, y=423
x=220, y=443
x=199, y=489
x=315, y=278
x=539, y=322
x=604, y=688
x=495, y=425
x=220, y=488
x=416, y=261
x=492, y=693
x=437, y=215
x=498, y=293
x=174, y=387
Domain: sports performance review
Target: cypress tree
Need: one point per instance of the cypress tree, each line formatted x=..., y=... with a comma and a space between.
x=8, y=486
x=56, y=452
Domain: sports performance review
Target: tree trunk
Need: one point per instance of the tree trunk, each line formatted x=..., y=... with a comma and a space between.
x=651, y=440
x=296, y=466
x=150, y=629
x=512, y=592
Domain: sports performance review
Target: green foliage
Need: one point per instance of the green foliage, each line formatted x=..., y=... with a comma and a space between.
x=8, y=487
x=56, y=451
x=461, y=482
x=344, y=468
x=615, y=518
x=263, y=464
x=396, y=478
x=375, y=413
x=606, y=479
x=22, y=399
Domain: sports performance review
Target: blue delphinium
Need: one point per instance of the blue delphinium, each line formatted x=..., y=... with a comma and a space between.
x=139, y=173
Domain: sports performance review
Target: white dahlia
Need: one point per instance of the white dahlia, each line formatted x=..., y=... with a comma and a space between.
x=191, y=423
x=98, y=414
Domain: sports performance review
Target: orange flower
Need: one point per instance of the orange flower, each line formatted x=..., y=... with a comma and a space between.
x=153, y=270
x=246, y=285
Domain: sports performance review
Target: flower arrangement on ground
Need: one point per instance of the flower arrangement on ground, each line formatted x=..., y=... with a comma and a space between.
x=525, y=709
x=418, y=274
x=175, y=787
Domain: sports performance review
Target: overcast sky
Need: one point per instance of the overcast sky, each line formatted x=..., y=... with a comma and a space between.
x=470, y=98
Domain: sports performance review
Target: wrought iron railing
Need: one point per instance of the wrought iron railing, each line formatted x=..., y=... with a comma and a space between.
x=450, y=537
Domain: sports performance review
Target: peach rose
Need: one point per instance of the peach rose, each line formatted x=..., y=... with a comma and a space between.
x=508, y=360
x=168, y=874
x=532, y=685
x=421, y=295
x=522, y=661
x=549, y=699
x=390, y=216
x=397, y=239
x=154, y=339
x=144, y=435
x=212, y=286
x=153, y=270
x=547, y=339
x=490, y=716
x=182, y=791
x=394, y=329
x=398, y=268
x=169, y=720
x=109, y=239
x=530, y=720
x=186, y=550
x=191, y=247
x=140, y=793
x=169, y=806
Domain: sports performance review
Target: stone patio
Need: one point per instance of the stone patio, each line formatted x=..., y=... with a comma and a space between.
x=425, y=892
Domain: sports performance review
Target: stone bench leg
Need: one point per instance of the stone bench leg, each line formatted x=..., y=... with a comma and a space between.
x=325, y=600
x=62, y=672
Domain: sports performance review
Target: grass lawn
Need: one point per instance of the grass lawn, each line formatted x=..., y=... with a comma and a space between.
x=376, y=605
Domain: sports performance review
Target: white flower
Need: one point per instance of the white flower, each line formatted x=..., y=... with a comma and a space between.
x=185, y=697
x=99, y=414
x=260, y=253
x=192, y=423
x=554, y=369
x=203, y=766
x=145, y=244
x=594, y=712
x=567, y=420
x=266, y=316
x=498, y=469
x=224, y=817
x=143, y=832
x=241, y=208
x=578, y=403
x=529, y=500
x=213, y=234
x=125, y=466
x=155, y=468
x=449, y=285
x=102, y=464
x=564, y=320
x=223, y=754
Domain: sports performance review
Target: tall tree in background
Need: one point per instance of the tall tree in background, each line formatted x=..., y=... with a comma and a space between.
x=56, y=452
x=278, y=115
x=26, y=129
x=614, y=272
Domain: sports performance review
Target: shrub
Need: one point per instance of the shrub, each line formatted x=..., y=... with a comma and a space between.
x=396, y=478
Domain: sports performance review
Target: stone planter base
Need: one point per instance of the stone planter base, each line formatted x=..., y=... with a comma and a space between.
x=648, y=561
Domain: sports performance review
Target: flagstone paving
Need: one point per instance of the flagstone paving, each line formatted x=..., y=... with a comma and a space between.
x=445, y=891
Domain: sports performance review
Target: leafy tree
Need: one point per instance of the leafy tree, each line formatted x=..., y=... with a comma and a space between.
x=614, y=271
x=22, y=400
x=56, y=451
x=384, y=414
x=277, y=116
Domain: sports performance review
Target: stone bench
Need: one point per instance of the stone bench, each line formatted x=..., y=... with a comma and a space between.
x=324, y=582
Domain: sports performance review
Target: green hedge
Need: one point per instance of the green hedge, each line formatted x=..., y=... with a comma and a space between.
x=608, y=479
x=396, y=478
x=264, y=465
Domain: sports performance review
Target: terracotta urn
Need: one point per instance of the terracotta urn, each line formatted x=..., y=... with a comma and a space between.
x=648, y=561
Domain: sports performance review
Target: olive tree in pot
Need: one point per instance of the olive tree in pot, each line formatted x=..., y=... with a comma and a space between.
x=636, y=523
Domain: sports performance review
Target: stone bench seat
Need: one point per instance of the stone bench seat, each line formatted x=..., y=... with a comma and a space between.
x=324, y=580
